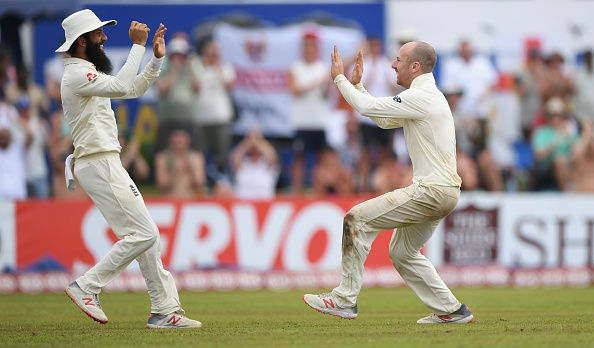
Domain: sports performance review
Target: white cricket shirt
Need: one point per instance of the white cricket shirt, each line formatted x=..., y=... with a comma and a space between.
x=428, y=125
x=86, y=95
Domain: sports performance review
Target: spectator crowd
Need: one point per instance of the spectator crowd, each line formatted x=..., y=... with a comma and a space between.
x=531, y=130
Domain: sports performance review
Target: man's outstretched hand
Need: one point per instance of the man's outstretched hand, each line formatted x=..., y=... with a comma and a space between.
x=337, y=66
x=159, y=42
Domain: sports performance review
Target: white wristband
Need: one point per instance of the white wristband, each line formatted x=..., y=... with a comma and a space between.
x=155, y=63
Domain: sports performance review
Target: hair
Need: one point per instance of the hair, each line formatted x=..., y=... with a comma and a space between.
x=423, y=53
x=72, y=50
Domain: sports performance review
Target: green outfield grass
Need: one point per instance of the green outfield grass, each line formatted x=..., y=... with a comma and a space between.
x=504, y=317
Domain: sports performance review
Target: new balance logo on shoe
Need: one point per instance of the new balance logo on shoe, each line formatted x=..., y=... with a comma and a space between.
x=324, y=303
x=89, y=303
x=462, y=315
x=173, y=321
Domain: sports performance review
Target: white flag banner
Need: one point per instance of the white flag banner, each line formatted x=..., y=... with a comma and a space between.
x=262, y=58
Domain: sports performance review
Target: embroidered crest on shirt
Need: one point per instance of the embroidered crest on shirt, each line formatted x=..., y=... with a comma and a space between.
x=397, y=98
x=91, y=76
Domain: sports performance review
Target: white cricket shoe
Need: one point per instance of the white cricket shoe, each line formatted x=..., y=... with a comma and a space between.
x=171, y=321
x=89, y=303
x=326, y=304
x=460, y=316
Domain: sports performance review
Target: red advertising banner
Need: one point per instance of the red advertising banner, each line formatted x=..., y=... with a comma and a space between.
x=297, y=235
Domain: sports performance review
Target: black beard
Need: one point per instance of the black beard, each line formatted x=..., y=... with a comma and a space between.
x=98, y=57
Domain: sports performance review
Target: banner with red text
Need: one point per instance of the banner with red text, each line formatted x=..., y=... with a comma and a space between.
x=297, y=235
x=489, y=240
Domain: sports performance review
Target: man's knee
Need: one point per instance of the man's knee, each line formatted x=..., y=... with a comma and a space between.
x=399, y=256
x=349, y=232
x=147, y=237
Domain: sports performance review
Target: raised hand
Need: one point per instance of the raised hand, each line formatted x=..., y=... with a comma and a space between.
x=337, y=65
x=159, y=41
x=358, y=69
x=139, y=33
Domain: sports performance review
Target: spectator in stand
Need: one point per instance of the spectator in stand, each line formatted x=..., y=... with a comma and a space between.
x=552, y=144
x=555, y=81
x=33, y=107
x=504, y=132
x=131, y=157
x=36, y=169
x=350, y=150
x=214, y=110
x=467, y=132
x=309, y=83
x=584, y=89
x=53, y=70
x=23, y=87
x=177, y=87
x=527, y=88
x=379, y=81
x=582, y=160
x=7, y=68
x=330, y=176
x=15, y=138
x=390, y=175
x=476, y=76
x=255, y=165
x=179, y=170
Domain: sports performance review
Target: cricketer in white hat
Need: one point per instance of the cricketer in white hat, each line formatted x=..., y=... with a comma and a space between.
x=78, y=23
x=86, y=91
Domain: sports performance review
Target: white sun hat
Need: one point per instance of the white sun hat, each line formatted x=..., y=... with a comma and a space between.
x=79, y=23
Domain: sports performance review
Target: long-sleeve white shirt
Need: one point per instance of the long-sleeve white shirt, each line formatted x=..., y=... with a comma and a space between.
x=424, y=113
x=86, y=95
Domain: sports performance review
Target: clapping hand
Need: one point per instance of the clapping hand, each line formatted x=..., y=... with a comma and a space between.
x=159, y=42
x=358, y=69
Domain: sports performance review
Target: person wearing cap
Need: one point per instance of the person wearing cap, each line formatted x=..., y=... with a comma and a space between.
x=15, y=139
x=309, y=86
x=178, y=90
x=86, y=91
x=552, y=144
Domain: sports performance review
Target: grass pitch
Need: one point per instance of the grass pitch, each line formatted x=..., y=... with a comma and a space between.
x=504, y=317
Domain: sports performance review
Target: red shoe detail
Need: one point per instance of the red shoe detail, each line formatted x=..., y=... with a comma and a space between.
x=174, y=320
x=329, y=302
x=89, y=301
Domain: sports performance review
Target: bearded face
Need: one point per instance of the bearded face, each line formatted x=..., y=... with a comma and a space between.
x=96, y=56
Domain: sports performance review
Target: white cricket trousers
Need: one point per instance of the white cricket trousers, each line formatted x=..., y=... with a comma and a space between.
x=114, y=193
x=414, y=213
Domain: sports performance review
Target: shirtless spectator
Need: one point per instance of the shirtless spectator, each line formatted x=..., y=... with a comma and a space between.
x=555, y=82
x=179, y=170
x=390, y=175
x=330, y=175
x=582, y=160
